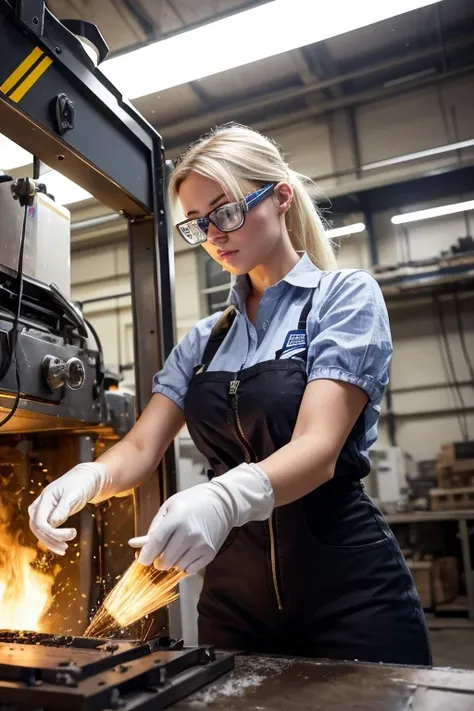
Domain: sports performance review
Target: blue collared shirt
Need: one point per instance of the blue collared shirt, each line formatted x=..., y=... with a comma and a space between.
x=348, y=335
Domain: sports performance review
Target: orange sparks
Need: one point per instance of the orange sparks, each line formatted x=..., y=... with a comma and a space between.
x=141, y=591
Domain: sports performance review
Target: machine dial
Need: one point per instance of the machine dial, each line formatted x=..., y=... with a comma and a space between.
x=57, y=372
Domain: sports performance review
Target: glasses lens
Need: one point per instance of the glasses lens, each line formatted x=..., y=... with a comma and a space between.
x=193, y=232
x=228, y=217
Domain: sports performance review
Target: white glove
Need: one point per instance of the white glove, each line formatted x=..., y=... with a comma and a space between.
x=191, y=526
x=63, y=498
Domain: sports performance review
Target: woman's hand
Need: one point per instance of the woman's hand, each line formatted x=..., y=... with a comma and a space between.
x=187, y=531
x=63, y=498
x=124, y=466
x=192, y=525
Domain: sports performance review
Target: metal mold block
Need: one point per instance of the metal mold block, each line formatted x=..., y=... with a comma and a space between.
x=87, y=674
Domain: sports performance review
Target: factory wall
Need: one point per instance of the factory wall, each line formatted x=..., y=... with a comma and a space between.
x=103, y=271
x=329, y=148
x=427, y=408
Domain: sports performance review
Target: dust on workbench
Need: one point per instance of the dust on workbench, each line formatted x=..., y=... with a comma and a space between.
x=257, y=670
x=279, y=684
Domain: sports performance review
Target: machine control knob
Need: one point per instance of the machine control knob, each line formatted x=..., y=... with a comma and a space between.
x=57, y=372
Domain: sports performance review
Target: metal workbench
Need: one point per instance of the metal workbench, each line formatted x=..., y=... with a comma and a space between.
x=462, y=518
x=275, y=684
x=51, y=673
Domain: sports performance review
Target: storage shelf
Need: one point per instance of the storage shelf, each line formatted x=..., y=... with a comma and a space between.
x=425, y=516
x=422, y=292
x=458, y=606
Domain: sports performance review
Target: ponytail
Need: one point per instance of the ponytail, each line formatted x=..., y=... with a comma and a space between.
x=305, y=226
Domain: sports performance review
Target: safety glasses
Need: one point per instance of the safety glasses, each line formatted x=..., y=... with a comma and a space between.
x=227, y=218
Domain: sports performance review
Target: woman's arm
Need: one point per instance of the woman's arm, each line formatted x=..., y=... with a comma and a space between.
x=348, y=359
x=191, y=526
x=136, y=456
x=348, y=362
x=128, y=463
x=328, y=412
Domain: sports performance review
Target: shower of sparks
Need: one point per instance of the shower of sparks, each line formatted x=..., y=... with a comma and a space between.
x=141, y=591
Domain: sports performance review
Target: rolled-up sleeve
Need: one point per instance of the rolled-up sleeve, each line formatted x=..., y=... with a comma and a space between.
x=350, y=338
x=174, y=378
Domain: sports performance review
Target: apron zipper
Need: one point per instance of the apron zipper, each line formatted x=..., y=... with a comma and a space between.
x=251, y=456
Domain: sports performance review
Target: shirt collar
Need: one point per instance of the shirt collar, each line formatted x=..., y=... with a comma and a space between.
x=304, y=274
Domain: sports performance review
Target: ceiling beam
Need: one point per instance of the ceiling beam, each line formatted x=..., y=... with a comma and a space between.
x=176, y=144
x=180, y=130
x=322, y=65
x=142, y=18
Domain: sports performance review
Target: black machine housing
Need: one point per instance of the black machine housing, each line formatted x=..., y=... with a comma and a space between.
x=72, y=119
x=51, y=333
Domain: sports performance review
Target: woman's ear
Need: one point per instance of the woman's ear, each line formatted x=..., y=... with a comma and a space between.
x=284, y=195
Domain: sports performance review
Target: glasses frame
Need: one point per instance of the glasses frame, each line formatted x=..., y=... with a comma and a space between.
x=246, y=204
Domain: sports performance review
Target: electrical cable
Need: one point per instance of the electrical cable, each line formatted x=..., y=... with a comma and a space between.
x=462, y=337
x=100, y=361
x=14, y=332
x=444, y=363
x=449, y=369
x=463, y=424
x=96, y=336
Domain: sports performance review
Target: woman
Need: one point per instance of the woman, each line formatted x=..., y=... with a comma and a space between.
x=281, y=393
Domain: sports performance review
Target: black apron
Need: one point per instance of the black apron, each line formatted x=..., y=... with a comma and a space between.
x=324, y=576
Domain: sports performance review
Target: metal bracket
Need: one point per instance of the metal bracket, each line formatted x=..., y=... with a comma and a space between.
x=31, y=14
x=91, y=34
x=24, y=190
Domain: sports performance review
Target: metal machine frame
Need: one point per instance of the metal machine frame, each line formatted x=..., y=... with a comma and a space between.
x=57, y=105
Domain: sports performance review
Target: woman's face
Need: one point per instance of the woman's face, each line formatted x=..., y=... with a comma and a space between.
x=261, y=235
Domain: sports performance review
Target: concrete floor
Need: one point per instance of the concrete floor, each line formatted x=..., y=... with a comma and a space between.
x=452, y=642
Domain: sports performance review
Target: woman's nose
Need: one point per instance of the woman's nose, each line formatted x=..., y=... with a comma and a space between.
x=214, y=235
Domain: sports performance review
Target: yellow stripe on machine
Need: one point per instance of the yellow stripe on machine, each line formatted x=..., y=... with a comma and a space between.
x=21, y=70
x=30, y=80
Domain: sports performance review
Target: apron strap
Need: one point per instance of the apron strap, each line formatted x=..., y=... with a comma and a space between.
x=305, y=311
x=219, y=332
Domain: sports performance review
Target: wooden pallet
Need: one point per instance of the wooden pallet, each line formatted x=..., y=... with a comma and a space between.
x=455, y=465
x=461, y=453
x=450, y=478
x=449, y=499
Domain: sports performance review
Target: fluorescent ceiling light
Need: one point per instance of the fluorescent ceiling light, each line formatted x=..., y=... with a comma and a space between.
x=433, y=212
x=448, y=148
x=248, y=36
x=347, y=230
x=12, y=155
x=65, y=192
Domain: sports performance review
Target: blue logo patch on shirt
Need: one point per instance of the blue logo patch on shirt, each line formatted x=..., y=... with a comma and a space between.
x=294, y=341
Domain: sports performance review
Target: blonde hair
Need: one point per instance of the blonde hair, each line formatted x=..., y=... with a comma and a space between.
x=231, y=154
